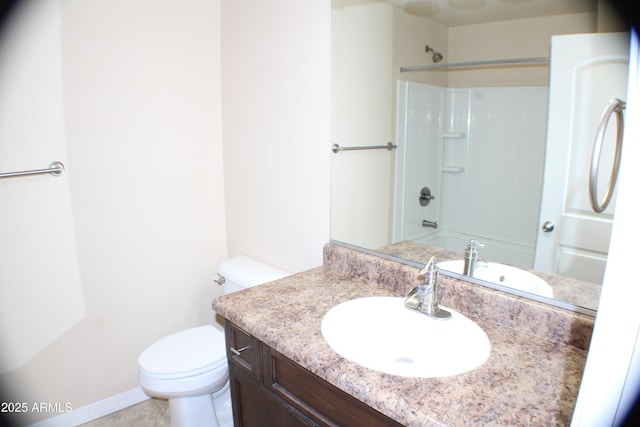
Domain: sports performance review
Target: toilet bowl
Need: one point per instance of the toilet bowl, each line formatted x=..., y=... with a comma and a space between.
x=186, y=368
x=189, y=368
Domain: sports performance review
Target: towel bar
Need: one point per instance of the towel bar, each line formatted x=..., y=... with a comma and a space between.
x=390, y=146
x=55, y=169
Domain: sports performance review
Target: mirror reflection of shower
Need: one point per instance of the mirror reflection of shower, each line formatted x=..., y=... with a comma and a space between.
x=437, y=56
x=481, y=152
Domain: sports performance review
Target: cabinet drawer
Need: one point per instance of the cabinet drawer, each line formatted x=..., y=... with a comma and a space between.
x=314, y=396
x=243, y=350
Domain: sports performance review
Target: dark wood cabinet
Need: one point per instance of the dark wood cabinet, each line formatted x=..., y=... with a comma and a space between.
x=268, y=389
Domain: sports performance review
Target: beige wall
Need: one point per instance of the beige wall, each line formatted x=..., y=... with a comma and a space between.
x=411, y=35
x=519, y=38
x=370, y=43
x=140, y=113
x=140, y=84
x=275, y=94
x=362, y=111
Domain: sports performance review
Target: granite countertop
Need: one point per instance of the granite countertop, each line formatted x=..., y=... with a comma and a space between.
x=532, y=376
x=567, y=289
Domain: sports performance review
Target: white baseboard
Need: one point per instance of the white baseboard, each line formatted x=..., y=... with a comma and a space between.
x=96, y=410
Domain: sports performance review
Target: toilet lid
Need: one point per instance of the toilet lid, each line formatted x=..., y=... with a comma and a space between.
x=192, y=351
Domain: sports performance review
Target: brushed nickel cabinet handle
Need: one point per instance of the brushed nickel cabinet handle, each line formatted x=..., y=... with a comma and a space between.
x=238, y=351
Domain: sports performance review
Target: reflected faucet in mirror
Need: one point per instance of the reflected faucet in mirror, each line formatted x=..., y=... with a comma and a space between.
x=497, y=273
x=471, y=257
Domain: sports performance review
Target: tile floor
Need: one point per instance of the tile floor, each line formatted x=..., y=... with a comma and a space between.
x=150, y=413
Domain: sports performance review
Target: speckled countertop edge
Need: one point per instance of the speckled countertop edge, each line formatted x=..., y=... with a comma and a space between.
x=566, y=289
x=531, y=378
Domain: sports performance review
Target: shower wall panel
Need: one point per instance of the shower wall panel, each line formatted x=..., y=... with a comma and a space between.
x=418, y=158
x=495, y=193
x=482, y=150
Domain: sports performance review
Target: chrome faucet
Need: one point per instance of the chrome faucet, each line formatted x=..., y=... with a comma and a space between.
x=471, y=257
x=424, y=297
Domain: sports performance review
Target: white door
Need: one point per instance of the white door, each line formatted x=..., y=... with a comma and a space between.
x=587, y=70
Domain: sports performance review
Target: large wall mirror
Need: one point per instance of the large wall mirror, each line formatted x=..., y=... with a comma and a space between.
x=460, y=120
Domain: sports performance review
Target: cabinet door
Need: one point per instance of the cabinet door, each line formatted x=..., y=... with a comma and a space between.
x=255, y=406
x=315, y=397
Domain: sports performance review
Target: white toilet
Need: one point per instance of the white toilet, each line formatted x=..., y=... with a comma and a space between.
x=190, y=367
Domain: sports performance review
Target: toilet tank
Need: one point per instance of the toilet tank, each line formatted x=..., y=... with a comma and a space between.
x=241, y=272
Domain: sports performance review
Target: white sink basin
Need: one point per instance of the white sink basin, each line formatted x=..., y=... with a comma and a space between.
x=381, y=334
x=504, y=275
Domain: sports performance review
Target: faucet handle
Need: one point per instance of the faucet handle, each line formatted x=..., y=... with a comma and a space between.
x=424, y=297
x=474, y=244
x=429, y=269
x=472, y=247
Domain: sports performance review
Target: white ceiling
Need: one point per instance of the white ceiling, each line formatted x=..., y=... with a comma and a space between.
x=466, y=12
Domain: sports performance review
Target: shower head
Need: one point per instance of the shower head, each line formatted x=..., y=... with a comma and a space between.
x=437, y=56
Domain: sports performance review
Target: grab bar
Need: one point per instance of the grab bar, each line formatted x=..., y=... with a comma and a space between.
x=390, y=146
x=55, y=169
x=615, y=106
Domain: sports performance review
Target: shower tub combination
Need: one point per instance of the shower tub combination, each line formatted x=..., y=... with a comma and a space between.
x=480, y=152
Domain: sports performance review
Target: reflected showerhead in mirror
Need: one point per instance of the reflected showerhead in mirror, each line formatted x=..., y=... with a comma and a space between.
x=437, y=56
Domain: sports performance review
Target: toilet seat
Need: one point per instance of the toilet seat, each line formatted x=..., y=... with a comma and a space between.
x=187, y=353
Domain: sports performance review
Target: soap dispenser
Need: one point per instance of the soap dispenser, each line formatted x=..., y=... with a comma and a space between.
x=471, y=257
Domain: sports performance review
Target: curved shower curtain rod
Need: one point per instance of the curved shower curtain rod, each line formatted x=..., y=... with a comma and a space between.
x=545, y=59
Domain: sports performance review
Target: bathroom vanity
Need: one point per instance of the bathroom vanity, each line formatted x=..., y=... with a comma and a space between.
x=267, y=388
x=282, y=369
